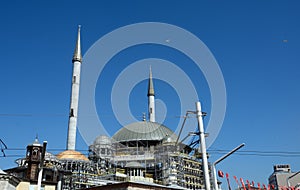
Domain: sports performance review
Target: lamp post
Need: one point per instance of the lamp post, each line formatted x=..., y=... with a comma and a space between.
x=290, y=177
x=219, y=160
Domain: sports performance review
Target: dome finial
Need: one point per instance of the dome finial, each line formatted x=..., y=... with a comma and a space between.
x=36, y=140
x=77, y=53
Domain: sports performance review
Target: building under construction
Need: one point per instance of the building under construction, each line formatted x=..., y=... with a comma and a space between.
x=142, y=152
x=147, y=152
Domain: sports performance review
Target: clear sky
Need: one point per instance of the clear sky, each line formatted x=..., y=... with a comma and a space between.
x=256, y=44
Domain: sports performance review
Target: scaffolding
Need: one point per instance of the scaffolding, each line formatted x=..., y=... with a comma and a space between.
x=161, y=162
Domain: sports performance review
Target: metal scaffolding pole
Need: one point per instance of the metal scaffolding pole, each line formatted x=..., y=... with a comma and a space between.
x=202, y=148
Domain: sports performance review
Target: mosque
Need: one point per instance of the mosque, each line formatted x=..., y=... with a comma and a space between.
x=146, y=153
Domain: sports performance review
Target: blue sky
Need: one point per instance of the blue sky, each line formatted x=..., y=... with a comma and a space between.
x=256, y=44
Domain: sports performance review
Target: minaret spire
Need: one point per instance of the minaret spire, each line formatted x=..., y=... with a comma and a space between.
x=77, y=53
x=77, y=59
x=151, y=101
x=150, y=84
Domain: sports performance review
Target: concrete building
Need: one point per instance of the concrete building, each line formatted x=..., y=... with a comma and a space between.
x=29, y=167
x=148, y=152
x=282, y=176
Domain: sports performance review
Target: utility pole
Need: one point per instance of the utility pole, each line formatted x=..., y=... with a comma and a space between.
x=202, y=148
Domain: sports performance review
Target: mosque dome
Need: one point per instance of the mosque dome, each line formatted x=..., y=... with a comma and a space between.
x=102, y=140
x=71, y=155
x=144, y=130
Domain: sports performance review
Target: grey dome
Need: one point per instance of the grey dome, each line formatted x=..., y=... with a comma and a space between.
x=49, y=156
x=144, y=130
x=102, y=140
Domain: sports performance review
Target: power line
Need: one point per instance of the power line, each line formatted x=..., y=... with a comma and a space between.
x=3, y=147
x=48, y=149
x=211, y=151
x=258, y=151
x=66, y=115
x=293, y=154
x=260, y=155
x=31, y=115
x=263, y=155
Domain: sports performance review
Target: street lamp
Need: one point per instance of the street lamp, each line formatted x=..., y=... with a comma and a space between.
x=288, y=179
x=219, y=160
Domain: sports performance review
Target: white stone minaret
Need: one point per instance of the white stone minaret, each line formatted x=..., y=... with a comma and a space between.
x=151, y=101
x=77, y=59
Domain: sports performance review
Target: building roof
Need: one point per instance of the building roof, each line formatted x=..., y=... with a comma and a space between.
x=71, y=155
x=2, y=172
x=144, y=130
x=8, y=179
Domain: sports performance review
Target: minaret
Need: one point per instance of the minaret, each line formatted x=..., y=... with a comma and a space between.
x=151, y=101
x=77, y=59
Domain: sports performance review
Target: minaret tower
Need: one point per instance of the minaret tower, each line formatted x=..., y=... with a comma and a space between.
x=151, y=101
x=77, y=59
